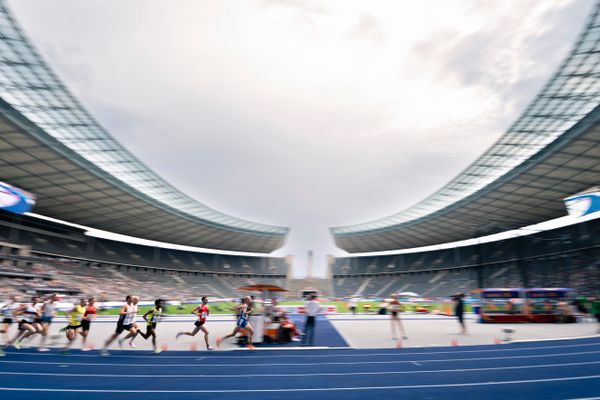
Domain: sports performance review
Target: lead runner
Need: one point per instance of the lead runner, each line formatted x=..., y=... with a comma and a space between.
x=244, y=309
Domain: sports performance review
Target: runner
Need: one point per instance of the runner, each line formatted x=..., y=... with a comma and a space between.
x=88, y=317
x=134, y=327
x=27, y=315
x=75, y=318
x=395, y=321
x=244, y=309
x=202, y=313
x=152, y=317
x=48, y=312
x=8, y=315
x=126, y=320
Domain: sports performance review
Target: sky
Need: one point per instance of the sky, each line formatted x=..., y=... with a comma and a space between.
x=307, y=114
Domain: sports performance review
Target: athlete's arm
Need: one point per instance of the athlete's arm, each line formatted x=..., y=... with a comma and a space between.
x=123, y=310
x=196, y=311
x=145, y=316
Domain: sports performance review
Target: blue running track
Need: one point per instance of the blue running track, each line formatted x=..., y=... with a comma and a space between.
x=566, y=369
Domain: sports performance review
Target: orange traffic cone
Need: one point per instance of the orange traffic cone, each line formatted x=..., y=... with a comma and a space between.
x=164, y=347
x=454, y=342
x=194, y=347
x=399, y=344
x=497, y=341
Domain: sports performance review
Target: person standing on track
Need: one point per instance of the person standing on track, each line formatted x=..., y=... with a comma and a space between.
x=86, y=322
x=243, y=310
x=312, y=308
x=202, y=312
x=595, y=310
x=126, y=321
x=8, y=315
x=152, y=317
x=459, y=311
x=352, y=305
x=396, y=323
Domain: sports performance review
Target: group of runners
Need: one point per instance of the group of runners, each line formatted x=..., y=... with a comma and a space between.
x=36, y=316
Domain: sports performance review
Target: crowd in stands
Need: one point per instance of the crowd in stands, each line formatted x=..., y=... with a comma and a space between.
x=109, y=282
x=564, y=257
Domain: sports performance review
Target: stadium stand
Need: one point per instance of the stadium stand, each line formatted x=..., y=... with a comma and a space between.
x=42, y=256
x=563, y=257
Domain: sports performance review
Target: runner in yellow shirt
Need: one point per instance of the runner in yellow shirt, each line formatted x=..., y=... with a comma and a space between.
x=75, y=317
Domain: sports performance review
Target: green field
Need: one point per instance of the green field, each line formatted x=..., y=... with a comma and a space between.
x=226, y=308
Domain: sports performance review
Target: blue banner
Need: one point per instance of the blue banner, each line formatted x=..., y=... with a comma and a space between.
x=15, y=200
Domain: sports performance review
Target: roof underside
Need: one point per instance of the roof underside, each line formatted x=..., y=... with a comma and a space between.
x=70, y=188
x=55, y=149
x=502, y=190
x=526, y=196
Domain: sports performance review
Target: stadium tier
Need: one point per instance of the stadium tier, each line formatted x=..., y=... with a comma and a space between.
x=42, y=256
x=563, y=257
x=52, y=147
x=549, y=153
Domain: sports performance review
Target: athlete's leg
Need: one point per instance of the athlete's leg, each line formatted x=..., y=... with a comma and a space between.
x=232, y=334
x=250, y=331
x=45, y=329
x=192, y=333
x=203, y=329
x=4, y=331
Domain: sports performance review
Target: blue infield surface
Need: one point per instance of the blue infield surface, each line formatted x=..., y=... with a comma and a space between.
x=566, y=369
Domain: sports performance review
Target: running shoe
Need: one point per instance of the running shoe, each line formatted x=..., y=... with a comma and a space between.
x=43, y=349
x=404, y=337
x=17, y=345
x=178, y=335
x=85, y=349
x=120, y=341
x=157, y=351
x=219, y=340
x=295, y=339
x=132, y=345
x=210, y=348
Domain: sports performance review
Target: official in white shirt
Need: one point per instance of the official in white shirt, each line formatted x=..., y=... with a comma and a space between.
x=312, y=308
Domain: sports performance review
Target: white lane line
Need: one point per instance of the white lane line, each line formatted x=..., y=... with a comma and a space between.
x=497, y=348
x=332, y=389
x=298, y=374
x=304, y=364
x=341, y=333
x=586, y=398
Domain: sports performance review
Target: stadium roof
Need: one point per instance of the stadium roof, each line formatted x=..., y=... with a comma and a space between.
x=550, y=152
x=51, y=146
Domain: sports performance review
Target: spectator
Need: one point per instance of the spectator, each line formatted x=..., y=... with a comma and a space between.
x=596, y=310
x=287, y=329
x=352, y=305
x=312, y=308
x=459, y=310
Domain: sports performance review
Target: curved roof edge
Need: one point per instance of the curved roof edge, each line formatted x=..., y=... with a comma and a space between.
x=571, y=94
x=29, y=86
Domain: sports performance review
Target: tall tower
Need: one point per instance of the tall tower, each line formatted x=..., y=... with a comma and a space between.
x=309, y=264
